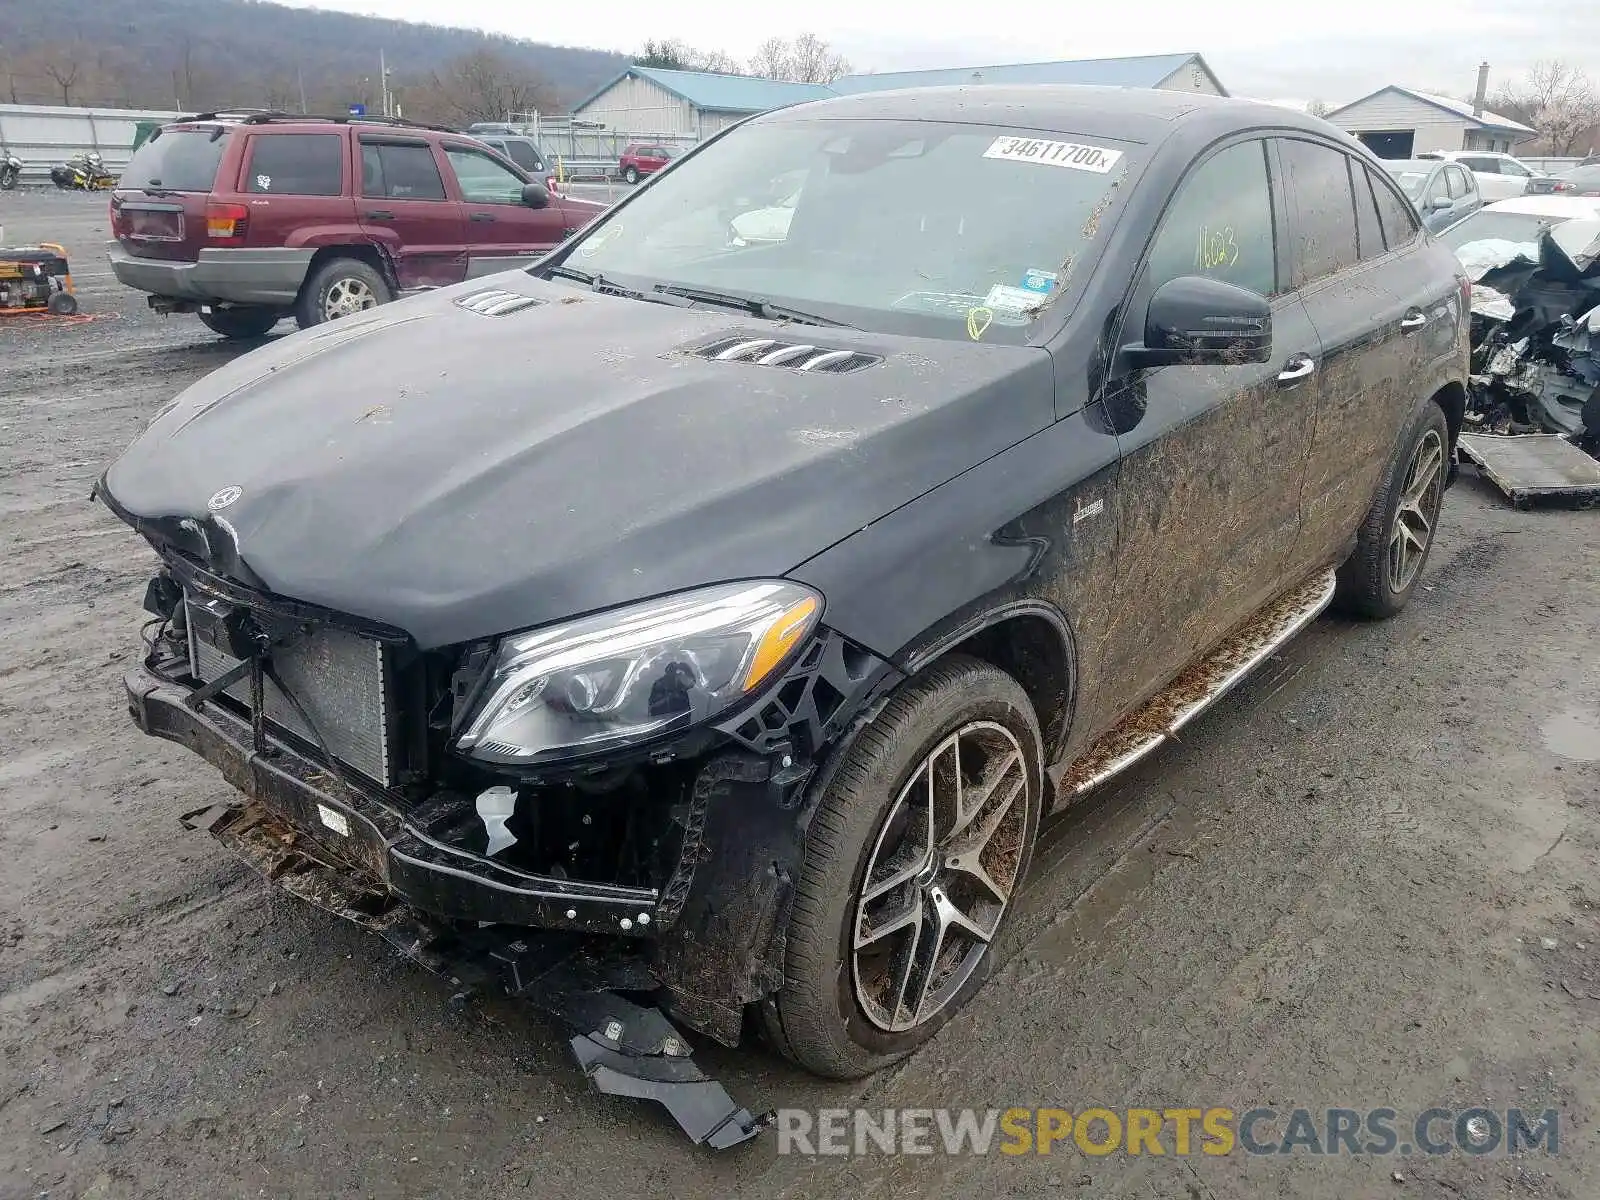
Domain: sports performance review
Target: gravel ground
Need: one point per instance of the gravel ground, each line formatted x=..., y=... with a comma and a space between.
x=1368, y=878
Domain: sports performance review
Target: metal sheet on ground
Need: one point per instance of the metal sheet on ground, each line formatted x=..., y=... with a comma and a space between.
x=1532, y=466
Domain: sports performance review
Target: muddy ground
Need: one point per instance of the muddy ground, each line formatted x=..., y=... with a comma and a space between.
x=1369, y=878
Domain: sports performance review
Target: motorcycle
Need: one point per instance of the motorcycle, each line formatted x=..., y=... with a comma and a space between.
x=83, y=172
x=10, y=170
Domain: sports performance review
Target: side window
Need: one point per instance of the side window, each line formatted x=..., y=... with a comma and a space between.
x=482, y=180
x=1398, y=218
x=1322, y=236
x=400, y=171
x=1489, y=166
x=523, y=154
x=1220, y=223
x=1460, y=185
x=1507, y=167
x=1438, y=188
x=1369, y=230
x=296, y=164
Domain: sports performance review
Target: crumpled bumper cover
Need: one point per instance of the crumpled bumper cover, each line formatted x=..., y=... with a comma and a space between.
x=355, y=826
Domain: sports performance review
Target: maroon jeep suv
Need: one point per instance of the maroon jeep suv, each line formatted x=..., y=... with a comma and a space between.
x=248, y=218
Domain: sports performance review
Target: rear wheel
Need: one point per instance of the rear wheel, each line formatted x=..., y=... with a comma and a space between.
x=341, y=287
x=1392, y=546
x=241, y=322
x=8, y=176
x=917, y=846
x=62, y=304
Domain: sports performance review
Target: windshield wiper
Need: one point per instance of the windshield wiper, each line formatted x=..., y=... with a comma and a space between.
x=600, y=283
x=754, y=305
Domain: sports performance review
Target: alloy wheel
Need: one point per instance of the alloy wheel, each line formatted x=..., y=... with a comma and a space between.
x=941, y=873
x=1412, y=528
x=347, y=297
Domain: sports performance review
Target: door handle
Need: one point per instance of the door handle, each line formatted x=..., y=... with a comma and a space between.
x=378, y=214
x=1299, y=367
x=1414, y=320
x=480, y=217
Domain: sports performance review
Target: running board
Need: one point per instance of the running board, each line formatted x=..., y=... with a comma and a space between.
x=1197, y=689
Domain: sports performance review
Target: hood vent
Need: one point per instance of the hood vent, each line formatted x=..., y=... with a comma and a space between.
x=497, y=303
x=798, y=356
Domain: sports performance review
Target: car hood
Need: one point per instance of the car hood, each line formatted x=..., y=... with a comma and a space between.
x=460, y=475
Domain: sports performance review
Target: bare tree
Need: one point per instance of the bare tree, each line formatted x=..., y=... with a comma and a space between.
x=480, y=86
x=674, y=55
x=1555, y=98
x=63, y=66
x=806, y=59
x=1319, y=108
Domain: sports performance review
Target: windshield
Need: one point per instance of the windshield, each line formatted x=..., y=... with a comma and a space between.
x=1485, y=225
x=178, y=160
x=1410, y=181
x=944, y=230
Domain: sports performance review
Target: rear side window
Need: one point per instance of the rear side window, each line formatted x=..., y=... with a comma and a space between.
x=1369, y=230
x=1460, y=185
x=296, y=164
x=400, y=171
x=1489, y=166
x=178, y=160
x=1220, y=223
x=523, y=154
x=1321, y=208
x=1398, y=219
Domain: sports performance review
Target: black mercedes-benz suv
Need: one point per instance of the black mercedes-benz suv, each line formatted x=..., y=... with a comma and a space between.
x=727, y=610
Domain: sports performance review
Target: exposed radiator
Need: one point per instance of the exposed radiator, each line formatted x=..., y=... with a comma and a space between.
x=341, y=680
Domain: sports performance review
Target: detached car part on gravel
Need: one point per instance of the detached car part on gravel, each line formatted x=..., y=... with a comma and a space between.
x=700, y=629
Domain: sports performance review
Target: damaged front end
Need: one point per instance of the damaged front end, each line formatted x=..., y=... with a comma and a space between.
x=414, y=791
x=1535, y=365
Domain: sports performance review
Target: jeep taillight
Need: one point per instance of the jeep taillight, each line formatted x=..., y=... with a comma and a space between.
x=226, y=223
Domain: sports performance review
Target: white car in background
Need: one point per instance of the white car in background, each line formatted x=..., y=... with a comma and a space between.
x=1499, y=176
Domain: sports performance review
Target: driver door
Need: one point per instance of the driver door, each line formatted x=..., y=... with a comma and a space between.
x=1212, y=456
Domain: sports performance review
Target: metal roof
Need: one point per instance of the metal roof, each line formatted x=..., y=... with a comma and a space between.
x=1142, y=71
x=1460, y=108
x=719, y=93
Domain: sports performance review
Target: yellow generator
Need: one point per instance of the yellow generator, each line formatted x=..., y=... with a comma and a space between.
x=34, y=278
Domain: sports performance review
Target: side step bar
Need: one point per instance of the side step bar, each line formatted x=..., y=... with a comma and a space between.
x=623, y=1048
x=1197, y=689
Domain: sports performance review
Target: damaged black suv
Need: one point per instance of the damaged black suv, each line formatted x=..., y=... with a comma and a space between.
x=729, y=607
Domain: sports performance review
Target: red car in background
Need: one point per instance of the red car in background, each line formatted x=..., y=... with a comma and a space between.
x=644, y=159
x=244, y=219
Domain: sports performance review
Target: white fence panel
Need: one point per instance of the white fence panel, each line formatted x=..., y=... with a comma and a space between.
x=43, y=135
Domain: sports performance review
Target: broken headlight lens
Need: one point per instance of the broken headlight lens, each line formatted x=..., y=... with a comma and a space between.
x=637, y=673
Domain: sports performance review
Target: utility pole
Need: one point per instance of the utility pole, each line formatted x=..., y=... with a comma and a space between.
x=302, y=74
x=383, y=80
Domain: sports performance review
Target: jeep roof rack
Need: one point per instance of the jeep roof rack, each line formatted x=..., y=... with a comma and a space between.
x=260, y=116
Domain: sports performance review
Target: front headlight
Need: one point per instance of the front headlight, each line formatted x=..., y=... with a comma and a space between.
x=638, y=672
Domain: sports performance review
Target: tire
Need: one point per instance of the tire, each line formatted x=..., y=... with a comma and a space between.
x=8, y=177
x=62, y=304
x=1377, y=580
x=340, y=287
x=240, y=323
x=825, y=1017
x=631, y=175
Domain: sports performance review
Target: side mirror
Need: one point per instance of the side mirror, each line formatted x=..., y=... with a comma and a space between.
x=1198, y=321
x=535, y=195
x=1438, y=202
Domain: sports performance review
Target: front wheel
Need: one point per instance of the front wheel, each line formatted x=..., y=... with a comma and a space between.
x=240, y=323
x=8, y=176
x=1378, y=579
x=918, y=844
x=631, y=175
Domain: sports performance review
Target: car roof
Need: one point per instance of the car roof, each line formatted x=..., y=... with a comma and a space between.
x=1547, y=206
x=1414, y=164
x=1124, y=113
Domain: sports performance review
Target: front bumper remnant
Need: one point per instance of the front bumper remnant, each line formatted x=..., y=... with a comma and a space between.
x=624, y=1048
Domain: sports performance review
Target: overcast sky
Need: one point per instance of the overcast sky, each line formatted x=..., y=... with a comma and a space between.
x=1330, y=51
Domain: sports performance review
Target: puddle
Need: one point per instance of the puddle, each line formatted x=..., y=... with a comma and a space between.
x=1575, y=734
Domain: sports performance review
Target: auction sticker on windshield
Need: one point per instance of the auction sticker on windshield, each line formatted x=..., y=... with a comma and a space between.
x=1099, y=159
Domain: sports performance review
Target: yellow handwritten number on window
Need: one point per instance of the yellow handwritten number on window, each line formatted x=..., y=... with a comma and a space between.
x=1216, y=248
